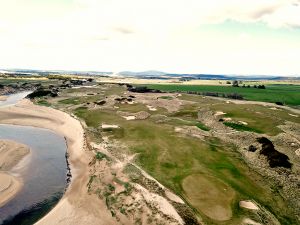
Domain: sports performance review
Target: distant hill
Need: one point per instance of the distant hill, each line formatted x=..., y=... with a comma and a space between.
x=144, y=73
x=150, y=74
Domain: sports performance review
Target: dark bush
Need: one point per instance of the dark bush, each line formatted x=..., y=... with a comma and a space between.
x=252, y=148
x=275, y=158
x=279, y=103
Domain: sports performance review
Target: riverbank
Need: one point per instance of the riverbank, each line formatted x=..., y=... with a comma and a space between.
x=76, y=206
x=11, y=153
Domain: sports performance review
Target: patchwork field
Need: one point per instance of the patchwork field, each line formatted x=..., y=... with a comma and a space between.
x=287, y=94
x=177, y=140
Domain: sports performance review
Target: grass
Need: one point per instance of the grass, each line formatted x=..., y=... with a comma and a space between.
x=241, y=127
x=43, y=103
x=171, y=158
x=261, y=119
x=202, y=126
x=288, y=94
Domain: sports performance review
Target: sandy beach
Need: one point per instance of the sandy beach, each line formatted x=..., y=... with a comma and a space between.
x=3, y=97
x=76, y=206
x=10, y=154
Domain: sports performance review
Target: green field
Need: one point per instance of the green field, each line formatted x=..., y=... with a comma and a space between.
x=288, y=94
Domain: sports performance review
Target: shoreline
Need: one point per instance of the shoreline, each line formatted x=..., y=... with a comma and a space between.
x=76, y=206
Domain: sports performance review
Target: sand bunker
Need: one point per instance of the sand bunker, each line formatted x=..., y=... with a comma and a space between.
x=242, y=122
x=151, y=108
x=248, y=221
x=129, y=117
x=293, y=115
x=108, y=126
x=247, y=204
x=219, y=113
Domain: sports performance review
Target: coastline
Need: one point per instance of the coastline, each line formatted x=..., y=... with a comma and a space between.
x=76, y=206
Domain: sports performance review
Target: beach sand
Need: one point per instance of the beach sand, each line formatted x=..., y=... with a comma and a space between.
x=10, y=154
x=76, y=206
x=3, y=97
x=9, y=187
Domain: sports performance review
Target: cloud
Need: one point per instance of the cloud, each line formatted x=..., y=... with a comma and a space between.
x=147, y=34
x=124, y=30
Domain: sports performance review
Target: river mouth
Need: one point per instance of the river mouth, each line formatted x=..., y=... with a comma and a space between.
x=43, y=171
x=14, y=98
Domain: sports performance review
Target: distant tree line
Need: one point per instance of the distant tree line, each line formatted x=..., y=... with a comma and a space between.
x=236, y=83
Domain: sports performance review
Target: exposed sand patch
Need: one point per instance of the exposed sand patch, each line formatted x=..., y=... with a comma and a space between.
x=142, y=115
x=173, y=197
x=151, y=108
x=209, y=195
x=247, y=204
x=129, y=117
x=11, y=153
x=107, y=126
x=293, y=115
x=219, y=113
x=3, y=97
x=161, y=203
x=227, y=119
x=9, y=187
x=248, y=221
x=242, y=122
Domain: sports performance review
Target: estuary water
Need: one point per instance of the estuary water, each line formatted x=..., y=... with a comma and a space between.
x=43, y=172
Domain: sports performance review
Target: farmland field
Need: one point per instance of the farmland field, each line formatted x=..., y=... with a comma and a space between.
x=287, y=94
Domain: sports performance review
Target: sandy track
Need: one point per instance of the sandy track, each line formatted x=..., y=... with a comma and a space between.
x=76, y=206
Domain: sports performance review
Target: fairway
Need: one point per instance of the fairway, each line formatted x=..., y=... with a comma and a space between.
x=287, y=94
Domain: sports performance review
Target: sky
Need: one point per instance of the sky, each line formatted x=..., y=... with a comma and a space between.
x=249, y=37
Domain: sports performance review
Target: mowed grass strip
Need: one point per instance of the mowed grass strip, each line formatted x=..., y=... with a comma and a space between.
x=287, y=94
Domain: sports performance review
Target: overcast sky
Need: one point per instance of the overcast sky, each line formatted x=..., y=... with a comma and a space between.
x=180, y=36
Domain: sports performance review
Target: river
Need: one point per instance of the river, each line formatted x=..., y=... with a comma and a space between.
x=43, y=172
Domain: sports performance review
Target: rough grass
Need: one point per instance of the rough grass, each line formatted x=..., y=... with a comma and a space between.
x=241, y=127
x=288, y=94
x=258, y=117
x=171, y=158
